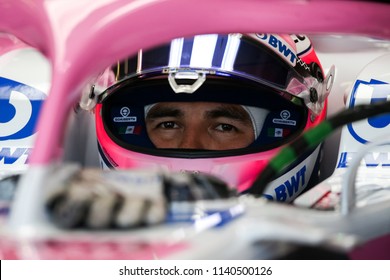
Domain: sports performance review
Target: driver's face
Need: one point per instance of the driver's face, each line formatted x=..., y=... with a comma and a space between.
x=199, y=125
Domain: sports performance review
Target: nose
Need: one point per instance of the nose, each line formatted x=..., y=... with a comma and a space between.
x=193, y=139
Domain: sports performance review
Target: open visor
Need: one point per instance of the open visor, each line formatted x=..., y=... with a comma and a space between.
x=275, y=116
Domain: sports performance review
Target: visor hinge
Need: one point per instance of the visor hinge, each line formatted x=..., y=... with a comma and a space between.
x=318, y=92
x=313, y=95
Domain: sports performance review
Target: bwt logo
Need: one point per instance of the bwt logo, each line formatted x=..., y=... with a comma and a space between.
x=19, y=109
x=369, y=93
x=369, y=160
x=290, y=187
x=9, y=157
x=278, y=45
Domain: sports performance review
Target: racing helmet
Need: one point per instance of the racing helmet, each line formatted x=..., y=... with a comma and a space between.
x=275, y=80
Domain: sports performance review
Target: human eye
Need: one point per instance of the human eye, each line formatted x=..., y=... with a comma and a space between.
x=167, y=125
x=224, y=127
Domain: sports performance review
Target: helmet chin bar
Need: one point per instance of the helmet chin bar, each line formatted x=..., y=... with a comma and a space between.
x=186, y=74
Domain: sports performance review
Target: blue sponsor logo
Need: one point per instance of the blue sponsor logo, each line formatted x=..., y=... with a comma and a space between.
x=373, y=124
x=7, y=156
x=19, y=109
x=290, y=187
x=279, y=46
x=369, y=160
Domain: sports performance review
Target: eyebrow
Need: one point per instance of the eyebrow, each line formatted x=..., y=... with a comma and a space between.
x=156, y=113
x=224, y=110
x=230, y=112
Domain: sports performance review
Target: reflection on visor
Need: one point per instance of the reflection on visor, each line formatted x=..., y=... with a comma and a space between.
x=223, y=116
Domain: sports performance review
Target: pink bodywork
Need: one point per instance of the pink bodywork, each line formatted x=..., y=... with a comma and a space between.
x=81, y=38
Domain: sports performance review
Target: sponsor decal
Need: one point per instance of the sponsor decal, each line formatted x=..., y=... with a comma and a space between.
x=125, y=112
x=20, y=105
x=370, y=159
x=285, y=119
x=290, y=187
x=280, y=46
x=10, y=156
x=369, y=93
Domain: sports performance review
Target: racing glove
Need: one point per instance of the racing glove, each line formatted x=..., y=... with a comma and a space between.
x=96, y=199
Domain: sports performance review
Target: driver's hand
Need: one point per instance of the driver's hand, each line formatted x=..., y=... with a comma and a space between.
x=101, y=199
x=123, y=199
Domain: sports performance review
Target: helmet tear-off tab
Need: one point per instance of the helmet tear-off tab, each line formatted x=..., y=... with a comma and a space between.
x=186, y=74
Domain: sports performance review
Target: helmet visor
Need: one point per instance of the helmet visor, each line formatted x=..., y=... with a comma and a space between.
x=225, y=116
x=254, y=57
